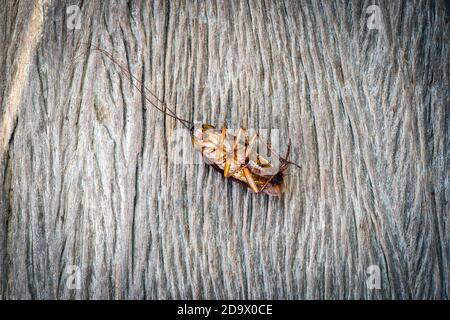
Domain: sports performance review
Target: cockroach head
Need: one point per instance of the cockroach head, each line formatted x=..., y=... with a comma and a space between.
x=199, y=133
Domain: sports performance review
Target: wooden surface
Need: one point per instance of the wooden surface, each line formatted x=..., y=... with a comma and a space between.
x=87, y=171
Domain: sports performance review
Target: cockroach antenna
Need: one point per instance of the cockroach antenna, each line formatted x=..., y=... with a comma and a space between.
x=124, y=71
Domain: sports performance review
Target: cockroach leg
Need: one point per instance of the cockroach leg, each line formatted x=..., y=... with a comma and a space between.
x=250, y=145
x=224, y=151
x=221, y=148
x=241, y=167
x=236, y=139
x=268, y=145
x=227, y=168
x=288, y=150
x=250, y=181
x=283, y=160
x=247, y=152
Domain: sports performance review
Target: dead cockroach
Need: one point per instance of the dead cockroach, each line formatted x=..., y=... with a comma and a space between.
x=225, y=153
x=238, y=161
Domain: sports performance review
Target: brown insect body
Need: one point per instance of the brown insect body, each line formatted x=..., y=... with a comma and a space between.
x=239, y=161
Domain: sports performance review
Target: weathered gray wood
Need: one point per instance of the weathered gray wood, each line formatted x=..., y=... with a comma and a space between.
x=87, y=177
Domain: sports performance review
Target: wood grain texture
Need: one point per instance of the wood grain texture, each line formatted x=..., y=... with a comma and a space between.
x=88, y=179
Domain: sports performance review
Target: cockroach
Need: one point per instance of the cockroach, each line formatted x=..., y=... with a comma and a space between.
x=238, y=161
x=226, y=153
